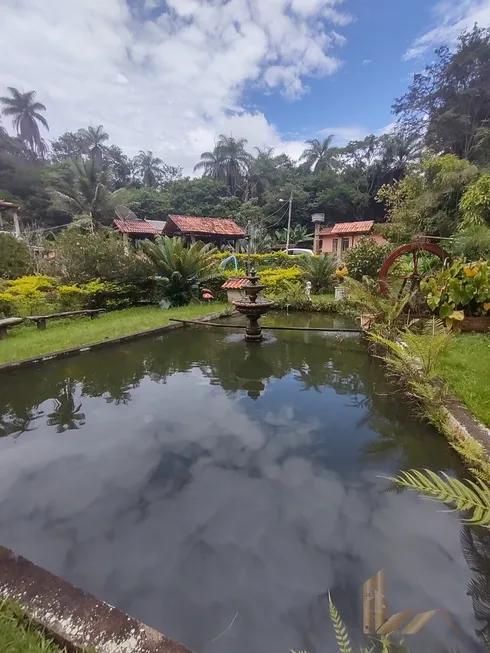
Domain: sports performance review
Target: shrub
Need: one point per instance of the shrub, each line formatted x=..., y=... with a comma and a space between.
x=72, y=298
x=15, y=257
x=366, y=258
x=28, y=295
x=319, y=270
x=108, y=295
x=276, y=280
x=472, y=243
x=262, y=261
x=80, y=258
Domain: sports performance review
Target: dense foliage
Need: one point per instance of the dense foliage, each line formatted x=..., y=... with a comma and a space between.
x=365, y=259
x=15, y=258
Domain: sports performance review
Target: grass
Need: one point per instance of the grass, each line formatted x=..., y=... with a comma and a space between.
x=27, y=341
x=18, y=636
x=466, y=370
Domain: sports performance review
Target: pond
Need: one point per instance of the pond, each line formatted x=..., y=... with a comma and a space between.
x=195, y=481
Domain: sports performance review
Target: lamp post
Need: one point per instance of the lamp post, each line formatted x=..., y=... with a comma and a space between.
x=289, y=218
x=317, y=219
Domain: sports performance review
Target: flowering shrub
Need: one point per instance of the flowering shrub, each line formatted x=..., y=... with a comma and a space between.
x=458, y=290
x=276, y=279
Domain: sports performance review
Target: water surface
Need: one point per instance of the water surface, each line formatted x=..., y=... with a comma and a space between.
x=192, y=480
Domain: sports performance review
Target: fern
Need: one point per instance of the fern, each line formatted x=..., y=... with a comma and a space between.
x=472, y=496
x=341, y=635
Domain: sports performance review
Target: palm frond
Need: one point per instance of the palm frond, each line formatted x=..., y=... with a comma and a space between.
x=341, y=635
x=470, y=496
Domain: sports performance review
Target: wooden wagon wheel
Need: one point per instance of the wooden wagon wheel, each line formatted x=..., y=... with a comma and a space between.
x=414, y=278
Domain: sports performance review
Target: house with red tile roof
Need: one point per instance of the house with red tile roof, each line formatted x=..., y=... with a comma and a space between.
x=139, y=229
x=343, y=235
x=218, y=231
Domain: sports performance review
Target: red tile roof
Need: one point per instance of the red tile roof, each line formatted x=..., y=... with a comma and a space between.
x=8, y=205
x=235, y=283
x=325, y=231
x=219, y=226
x=353, y=227
x=136, y=227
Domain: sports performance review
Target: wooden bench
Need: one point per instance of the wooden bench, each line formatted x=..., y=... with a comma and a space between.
x=7, y=323
x=40, y=320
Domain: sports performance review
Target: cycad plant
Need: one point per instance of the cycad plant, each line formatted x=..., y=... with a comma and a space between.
x=181, y=270
x=319, y=270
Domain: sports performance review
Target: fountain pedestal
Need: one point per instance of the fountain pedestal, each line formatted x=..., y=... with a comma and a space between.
x=253, y=309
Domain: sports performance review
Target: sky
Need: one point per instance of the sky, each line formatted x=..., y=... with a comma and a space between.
x=171, y=75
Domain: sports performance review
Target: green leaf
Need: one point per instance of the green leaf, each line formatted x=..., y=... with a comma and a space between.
x=446, y=310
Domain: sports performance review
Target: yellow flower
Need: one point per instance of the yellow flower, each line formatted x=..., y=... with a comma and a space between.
x=470, y=271
x=486, y=306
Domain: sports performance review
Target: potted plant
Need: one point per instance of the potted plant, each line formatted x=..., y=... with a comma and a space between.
x=340, y=290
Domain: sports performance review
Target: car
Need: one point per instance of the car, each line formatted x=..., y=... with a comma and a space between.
x=297, y=251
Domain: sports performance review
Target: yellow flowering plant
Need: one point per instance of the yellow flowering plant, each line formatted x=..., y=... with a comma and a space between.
x=458, y=290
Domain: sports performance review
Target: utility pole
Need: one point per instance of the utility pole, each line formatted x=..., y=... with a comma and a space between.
x=289, y=220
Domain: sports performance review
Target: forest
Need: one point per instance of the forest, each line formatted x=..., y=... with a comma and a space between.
x=428, y=176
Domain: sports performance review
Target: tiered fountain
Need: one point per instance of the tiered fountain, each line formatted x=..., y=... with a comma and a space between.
x=252, y=308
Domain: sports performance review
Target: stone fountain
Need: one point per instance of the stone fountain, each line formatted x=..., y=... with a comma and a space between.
x=252, y=308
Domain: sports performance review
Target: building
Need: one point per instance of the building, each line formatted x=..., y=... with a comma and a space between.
x=139, y=229
x=218, y=231
x=343, y=235
x=14, y=208
x=234, y=289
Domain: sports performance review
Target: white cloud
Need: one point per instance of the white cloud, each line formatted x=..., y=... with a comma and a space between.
x=366, y=62
x=345, y=134
x=451, y=18
x=168, y=76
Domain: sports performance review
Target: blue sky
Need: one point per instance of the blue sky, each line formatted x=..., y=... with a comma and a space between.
x=171, y=75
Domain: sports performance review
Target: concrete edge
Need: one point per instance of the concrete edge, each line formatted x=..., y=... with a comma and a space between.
x=74, y=351
x=72, y=617
x=465, y=425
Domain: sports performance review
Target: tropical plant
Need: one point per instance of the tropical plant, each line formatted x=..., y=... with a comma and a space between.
x=149, y=167
x=180, y=269
x=93, y=139
x=366, y=258
x=463, y=496
x=319, y=155
x=263, y=172
x=298, y=235
x=319, y=270
x=25, y=112
x=81, y=190
x=458, y=290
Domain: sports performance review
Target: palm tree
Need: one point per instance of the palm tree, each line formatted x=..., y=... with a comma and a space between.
x=263, y=172
x=26, y=116
x=83, y=192
x=149, y=167
x=319, y=270
x=228, y=161
x=93, y=138
x=319, y=155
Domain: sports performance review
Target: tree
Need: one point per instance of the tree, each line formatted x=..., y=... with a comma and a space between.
x=194, y=196
x=25, y=112
x=147, y=203
x=319, y=155
x=449, y=103
x=15, y=258
x=228, y=162
x=93, y=139
x=263, y=173
x=149, y=168
x=69, y=145
x=80, y=190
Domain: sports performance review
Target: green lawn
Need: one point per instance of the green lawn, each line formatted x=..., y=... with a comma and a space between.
x=27, y=341
x=17, y=636
x=466, y=369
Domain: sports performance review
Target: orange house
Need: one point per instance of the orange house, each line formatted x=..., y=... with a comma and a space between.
x=335, y=240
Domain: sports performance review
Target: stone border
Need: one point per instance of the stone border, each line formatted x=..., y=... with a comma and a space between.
x=74, y=351
x=71, y=617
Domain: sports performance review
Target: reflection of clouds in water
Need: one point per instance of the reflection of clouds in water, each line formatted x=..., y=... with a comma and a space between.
x=248, y=525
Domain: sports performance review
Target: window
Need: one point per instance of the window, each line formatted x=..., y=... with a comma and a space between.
x=335, y=245
x=345, y=244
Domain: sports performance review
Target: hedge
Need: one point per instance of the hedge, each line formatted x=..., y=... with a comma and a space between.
x=261, y=261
